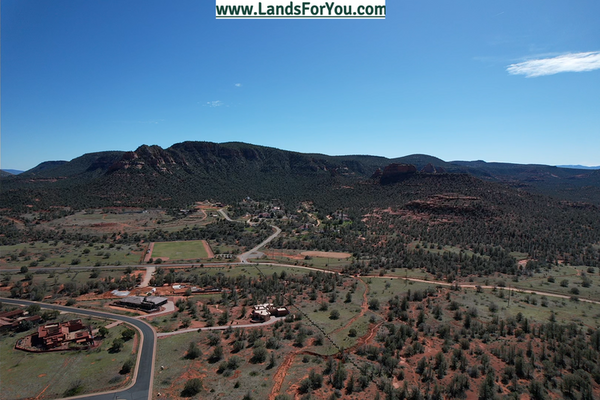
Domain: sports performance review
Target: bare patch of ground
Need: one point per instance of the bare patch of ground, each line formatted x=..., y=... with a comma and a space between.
x=326, y=254
x=148, y=255
x=208, y=249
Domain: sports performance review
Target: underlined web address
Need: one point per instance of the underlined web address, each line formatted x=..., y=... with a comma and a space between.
x=278, y=9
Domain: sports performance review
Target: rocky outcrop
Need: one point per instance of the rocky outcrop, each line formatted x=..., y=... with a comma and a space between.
x=431, y=169
x=377, y=174
x=397, y=172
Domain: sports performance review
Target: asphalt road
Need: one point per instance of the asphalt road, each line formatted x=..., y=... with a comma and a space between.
x=142, y=388
x=253, y=253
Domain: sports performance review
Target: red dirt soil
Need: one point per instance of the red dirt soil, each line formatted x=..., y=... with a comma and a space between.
x=281, y=374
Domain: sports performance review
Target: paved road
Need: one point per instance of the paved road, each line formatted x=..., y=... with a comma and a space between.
x=142, y=387
x=253, y=253
x=149, y=272
x=224, y=214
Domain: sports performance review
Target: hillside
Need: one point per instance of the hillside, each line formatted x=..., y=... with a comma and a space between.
x=188, y=171
x=566, y=183
x=91, y=164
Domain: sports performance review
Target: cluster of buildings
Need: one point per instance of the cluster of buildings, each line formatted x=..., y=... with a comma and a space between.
x=10, y=320
x=262, y=312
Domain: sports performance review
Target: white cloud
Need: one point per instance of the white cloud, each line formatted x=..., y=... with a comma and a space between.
x=577, y=62
x=215, y=103
x=238, y=85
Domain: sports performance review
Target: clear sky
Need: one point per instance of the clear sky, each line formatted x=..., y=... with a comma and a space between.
x=511, y=80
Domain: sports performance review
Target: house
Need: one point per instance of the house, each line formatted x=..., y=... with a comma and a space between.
x=260, y=312
x=12, y=319
x=279, y=311
x=263, y=312
x=55, y=335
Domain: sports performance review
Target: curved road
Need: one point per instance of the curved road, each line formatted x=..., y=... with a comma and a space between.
x=141, y=389
x=253, y=253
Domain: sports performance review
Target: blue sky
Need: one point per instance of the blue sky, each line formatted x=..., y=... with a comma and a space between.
x=509, y=81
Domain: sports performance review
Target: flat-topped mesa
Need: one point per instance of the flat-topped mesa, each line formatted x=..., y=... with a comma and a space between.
x=397, y=172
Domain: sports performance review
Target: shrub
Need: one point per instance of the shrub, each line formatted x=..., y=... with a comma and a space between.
x=128, y=334
x=127, y=366
x=305, y=386
x=193, y=352
x=458, y=385
x=117, y=346
x=574, y=290
x=216, y=355
x=192, y=387
x=374, y=304
x=259, y=355
x=75, y=389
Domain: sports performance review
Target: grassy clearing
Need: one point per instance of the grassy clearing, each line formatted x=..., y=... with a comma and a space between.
x=186, y=250
x=385, y=288
x=563, y=279
x=536, y=307
x=174, y=370
x=55, y=254
x=100, y=221
x=519, y=256
x=295, y=257
x=54, y=373
x=342, y=337
x=219, y=248
x=322, y=318
x=53, y=280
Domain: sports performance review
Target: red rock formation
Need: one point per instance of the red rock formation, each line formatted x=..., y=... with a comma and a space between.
x=431, y=169
x=397, y=172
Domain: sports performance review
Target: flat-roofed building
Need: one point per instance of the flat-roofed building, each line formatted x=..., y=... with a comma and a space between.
x=148, y=303
x=54, y=335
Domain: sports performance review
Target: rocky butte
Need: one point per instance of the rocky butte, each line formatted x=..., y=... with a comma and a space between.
x=395, y=173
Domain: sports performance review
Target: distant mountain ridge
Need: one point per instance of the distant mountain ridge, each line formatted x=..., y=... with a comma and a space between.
x=229, y=171
x=11, y=171
x=578, y=167
x=87, y=163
